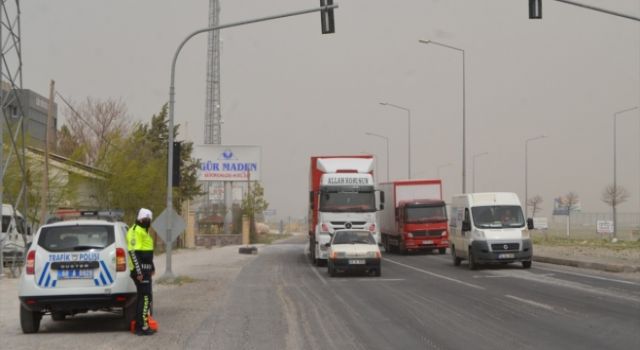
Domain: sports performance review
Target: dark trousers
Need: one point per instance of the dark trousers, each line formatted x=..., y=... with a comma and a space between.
x=143, y=304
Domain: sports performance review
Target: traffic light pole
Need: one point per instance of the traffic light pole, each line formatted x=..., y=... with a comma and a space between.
x=535, y=9
x=326, y=11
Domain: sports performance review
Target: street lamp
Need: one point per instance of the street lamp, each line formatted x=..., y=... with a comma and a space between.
x=615, y=184
x=464, y=109
x=526, y=172
x=442, y=166
x=408, y=130
x=473, y=186
x=386, y=139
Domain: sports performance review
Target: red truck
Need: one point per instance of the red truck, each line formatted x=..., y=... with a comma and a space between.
x=415, y=217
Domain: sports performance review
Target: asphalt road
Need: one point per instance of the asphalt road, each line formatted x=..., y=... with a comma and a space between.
x=278, y=300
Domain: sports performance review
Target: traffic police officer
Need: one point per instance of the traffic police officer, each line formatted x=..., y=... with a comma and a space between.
x=140, y=246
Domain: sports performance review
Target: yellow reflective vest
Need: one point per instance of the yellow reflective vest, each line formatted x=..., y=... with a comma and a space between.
x=140, y=247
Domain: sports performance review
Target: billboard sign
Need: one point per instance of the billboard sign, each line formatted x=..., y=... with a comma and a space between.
x=228, y=163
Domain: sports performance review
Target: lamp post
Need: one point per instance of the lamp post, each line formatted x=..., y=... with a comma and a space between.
x=615, y=183
x=386, y=139
x=526, y=173
x=408, y=131
x=442, y=166
x=464, y=109
x=473, y=186
x=168, y=272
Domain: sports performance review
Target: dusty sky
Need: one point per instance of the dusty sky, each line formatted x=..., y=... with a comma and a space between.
x=299, y=93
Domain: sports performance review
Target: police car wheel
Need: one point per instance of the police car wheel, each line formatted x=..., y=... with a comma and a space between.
x=29, y=320
x=58, y=316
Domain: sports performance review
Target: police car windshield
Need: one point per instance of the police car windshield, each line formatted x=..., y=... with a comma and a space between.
x=76, y=237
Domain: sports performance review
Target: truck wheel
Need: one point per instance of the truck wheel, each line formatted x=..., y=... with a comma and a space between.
x=442, y=251
x=526, y=264
x=401, y=249
x=456, y=260
x=472, y=261
x=29, y=320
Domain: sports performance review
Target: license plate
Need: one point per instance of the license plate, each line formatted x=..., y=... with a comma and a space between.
x=356, y=262
x=427, y=242
x=75, y=274
x=506, y=256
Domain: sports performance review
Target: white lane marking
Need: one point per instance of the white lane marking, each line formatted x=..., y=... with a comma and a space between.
x=434, y=274
x=315, y=270
x=370, y=279
x=507, y=276
x=531, y=302
x=590, y=276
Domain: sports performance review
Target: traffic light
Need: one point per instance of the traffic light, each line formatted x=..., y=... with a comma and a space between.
x=326, y=17
x=535, y=9
x=175, y=170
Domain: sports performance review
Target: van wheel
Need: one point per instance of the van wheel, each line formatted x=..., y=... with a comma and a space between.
x=58, y=316
x=472, y=261
x=526, y=264
x=456, y=260
x=29, y=320
x=442, y=251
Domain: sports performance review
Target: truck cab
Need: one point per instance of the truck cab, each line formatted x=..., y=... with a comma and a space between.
x=423, y=224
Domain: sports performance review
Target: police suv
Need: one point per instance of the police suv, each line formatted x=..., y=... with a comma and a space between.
x=77, y=264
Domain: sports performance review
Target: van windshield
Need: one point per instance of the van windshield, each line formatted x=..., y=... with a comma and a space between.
x=498, y=216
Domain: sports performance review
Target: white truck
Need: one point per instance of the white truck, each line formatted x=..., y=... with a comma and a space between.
x=342, y=196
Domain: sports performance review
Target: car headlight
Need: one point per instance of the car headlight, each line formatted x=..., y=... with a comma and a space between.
x=526, y=234
x=373, y=254
x=478, y=234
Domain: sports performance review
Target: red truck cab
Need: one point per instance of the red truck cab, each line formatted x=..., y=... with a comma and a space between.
x=423, y=226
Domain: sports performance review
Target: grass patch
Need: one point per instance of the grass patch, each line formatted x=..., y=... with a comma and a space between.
x=176, y=281
x=270, y=238
x=585, y=243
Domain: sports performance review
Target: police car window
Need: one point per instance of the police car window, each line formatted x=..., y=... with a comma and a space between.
x=76, y=238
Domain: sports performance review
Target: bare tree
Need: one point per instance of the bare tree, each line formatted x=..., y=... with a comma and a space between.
x=570, y=202
x=615, y=195
x=536, y=204
x=93, y=125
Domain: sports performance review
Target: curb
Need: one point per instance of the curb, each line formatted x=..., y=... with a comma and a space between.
x=587, y=264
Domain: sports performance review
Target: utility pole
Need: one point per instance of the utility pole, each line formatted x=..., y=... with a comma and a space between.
x=44, y=201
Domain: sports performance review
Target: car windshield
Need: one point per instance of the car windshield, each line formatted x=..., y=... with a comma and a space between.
x=425, y=214
x=498, y=216
x=77, y=237
x=353, y=237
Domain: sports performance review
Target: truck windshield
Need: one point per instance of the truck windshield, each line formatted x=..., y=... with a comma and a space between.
x=425, y=214
x=337, y=202
x=499, y=216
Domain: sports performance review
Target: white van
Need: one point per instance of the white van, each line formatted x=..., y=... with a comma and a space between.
x=14, y=235
x=489, y=228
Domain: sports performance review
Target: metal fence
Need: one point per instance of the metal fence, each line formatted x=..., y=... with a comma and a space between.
x=583, y=225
